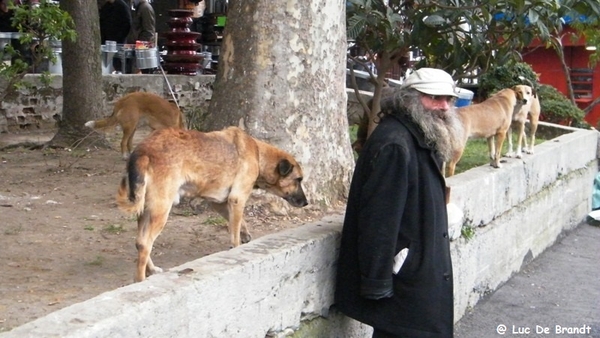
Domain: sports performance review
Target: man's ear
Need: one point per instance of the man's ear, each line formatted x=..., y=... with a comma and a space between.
x=284, y=167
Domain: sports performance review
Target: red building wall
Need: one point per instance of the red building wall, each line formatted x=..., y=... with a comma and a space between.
x=546, y=63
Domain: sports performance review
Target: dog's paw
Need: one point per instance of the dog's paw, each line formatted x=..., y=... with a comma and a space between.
x=125, y=156
x=153, y=270
x=245, y=237
x=90, y=124
x=510, y=154
x=496, y=164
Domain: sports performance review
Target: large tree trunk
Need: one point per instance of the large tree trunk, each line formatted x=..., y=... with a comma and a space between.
x=82, y=78
x=282, y=77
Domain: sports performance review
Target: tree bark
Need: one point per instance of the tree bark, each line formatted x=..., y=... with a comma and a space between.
x=281, y=76
x=558, y=47
x=592, y=105
x=82, y=78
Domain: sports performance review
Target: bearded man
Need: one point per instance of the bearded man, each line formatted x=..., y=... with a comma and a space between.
x=394, y=269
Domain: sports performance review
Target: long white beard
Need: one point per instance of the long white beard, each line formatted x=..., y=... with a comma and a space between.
x=442, y=129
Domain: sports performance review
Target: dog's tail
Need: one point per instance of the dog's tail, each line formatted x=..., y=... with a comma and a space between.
x=108, y=122
x=131, y=196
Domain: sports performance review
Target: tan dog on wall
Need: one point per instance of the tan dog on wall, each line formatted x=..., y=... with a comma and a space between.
x=222, y=167
x=489, y=119
x=127, y=112
x=531, y=107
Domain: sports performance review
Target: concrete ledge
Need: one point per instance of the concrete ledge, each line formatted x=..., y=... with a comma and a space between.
x=519, y=210
x=282, y=284
x=265, y=286
x=484, y=192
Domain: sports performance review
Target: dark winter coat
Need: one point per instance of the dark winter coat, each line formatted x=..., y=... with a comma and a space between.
x=396, y=201
x=115, y=21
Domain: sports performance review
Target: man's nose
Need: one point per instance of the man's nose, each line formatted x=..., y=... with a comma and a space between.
x=442, y=104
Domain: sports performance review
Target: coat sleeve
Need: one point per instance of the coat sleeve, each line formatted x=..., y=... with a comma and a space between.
x=147, y=24
x=383, y=198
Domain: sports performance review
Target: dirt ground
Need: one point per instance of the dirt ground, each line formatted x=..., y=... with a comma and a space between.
x=63, y=240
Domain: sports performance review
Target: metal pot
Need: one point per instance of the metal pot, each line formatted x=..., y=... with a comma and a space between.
x=146, y=58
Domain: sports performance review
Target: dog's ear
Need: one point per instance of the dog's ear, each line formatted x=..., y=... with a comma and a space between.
x=284, y=167
x=518, y=93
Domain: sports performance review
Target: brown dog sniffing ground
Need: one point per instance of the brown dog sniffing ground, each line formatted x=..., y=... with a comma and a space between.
x=222, y=167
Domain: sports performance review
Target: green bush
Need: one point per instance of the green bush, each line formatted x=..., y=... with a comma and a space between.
x=557, y=108
x=506, y=76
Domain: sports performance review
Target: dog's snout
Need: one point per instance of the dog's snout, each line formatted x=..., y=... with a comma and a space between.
x=303, y=203
x=298, y=199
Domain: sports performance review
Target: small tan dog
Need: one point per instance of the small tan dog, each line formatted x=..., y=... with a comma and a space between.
x=489, y=119
x=127, y=112
x=221, y=166
x=531, y=107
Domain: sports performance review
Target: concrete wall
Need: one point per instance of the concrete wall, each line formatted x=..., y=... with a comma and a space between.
x=520, y=210
x=281, y=285
x=38, y=107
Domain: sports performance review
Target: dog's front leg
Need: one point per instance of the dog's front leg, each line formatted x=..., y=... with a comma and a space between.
x=510, y=152
x=520, y=139
x=245, y=234
x=235, y=208
x=500, y=136
x=491, y=147
x=222, y=209
x=517, y=152
x=525, y=143
x=529, y=148
x=533, y=123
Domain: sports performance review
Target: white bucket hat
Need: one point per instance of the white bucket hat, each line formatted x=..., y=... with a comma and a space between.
x=431, y=81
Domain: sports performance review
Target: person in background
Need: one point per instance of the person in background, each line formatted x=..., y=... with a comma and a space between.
x=144, y=26
x=115, y=25
x=24, y=51
x=6, y=17
x=394, y=269
x=144, y=22
x=115, y=21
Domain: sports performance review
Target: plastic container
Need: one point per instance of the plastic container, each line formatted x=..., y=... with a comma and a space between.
x=465, y=97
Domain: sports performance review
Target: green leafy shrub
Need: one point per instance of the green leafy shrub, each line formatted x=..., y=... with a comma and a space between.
x=40, y=26
x=506, y=76
x=557, y=108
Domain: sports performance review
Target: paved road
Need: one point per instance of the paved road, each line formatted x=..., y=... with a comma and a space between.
x=556, y=295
